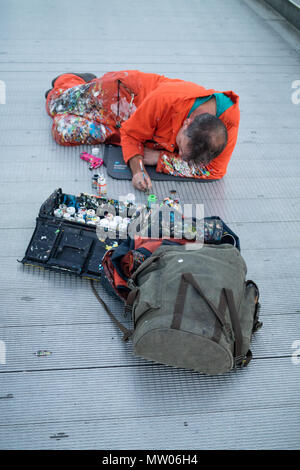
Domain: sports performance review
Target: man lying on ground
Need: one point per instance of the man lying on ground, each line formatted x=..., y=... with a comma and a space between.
x=181, y=127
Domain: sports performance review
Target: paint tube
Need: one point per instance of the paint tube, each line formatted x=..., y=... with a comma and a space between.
x=101, y=186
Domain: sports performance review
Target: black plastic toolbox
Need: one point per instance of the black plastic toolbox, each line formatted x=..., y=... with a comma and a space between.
x=65, y=245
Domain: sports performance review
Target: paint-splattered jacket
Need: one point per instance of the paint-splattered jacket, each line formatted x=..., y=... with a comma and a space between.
x=162, y=105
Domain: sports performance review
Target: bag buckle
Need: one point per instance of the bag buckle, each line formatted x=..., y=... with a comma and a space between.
x=127, y=309
x=257, y=326
x=131, y=283
x=243, y=360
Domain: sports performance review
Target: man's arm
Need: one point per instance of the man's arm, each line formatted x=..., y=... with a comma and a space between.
x=139, y=128
x=142, y=125
x=140, y=177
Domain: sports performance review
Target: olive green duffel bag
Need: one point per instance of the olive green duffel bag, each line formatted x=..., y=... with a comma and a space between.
x=194, y=309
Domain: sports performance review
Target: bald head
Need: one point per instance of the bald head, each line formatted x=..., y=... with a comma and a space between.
x=207, y=138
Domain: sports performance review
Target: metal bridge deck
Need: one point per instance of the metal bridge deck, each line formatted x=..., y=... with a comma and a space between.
x=91, y=393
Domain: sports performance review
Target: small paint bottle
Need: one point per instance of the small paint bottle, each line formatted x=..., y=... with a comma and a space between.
x=90, y=214
x=95, y=151
x=63, y=207
x=71, y=210
x=152, y=199
x=95, y=181
x=101, y=186
x=172, y=194
x=58, y=213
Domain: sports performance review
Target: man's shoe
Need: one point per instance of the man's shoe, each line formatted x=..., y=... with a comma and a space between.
x=87, y=77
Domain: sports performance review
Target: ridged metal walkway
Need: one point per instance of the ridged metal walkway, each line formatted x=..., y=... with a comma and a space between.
x=91, y=392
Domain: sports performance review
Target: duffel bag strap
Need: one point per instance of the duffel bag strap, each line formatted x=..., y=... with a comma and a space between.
x=179, y=303
x=127, y=333
x=130, y=299
x=236, y=326
x=239, y=358
x=188, y=278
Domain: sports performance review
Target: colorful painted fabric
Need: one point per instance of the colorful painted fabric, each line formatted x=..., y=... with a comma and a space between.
x=88, y=113
x=172, y=164
x=69, y=129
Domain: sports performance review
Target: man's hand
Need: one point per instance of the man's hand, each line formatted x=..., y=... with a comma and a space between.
x=141, y=183
x=140, y=177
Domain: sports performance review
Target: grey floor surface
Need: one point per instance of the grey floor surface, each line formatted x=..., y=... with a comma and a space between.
x=91, y=392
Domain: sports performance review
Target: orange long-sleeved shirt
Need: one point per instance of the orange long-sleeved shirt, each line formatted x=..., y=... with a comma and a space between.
x=162, y=107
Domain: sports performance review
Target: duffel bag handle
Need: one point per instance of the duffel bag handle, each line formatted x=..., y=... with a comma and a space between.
x=188, y=278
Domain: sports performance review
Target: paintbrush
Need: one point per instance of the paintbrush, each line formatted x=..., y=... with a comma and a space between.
x=144, y=176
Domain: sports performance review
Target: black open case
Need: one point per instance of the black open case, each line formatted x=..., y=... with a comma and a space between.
x=68, y=246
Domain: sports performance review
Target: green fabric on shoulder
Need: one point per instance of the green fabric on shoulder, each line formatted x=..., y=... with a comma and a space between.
x=223, y=102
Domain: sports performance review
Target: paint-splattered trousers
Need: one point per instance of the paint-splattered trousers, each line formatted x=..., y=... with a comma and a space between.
x=92, y=113
x=87, y=113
